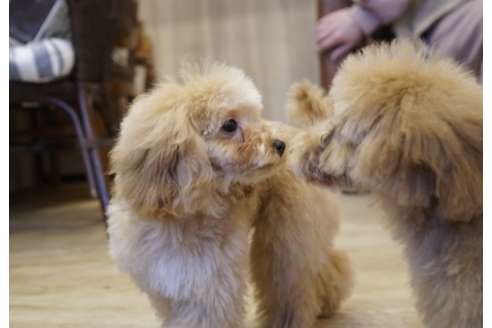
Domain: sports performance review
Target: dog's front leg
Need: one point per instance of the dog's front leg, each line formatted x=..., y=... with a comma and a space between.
x=219, y=312
x=446, y=266
x=216, y=300
x=193, y=272
x=210, y=286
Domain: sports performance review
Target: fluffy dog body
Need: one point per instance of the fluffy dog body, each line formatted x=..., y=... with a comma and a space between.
x=407, y=123
x=196, y=168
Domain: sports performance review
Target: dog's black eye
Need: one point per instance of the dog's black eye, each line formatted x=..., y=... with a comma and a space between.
x=230, y=126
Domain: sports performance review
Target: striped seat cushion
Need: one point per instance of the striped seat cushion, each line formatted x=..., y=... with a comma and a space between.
x=41, y=61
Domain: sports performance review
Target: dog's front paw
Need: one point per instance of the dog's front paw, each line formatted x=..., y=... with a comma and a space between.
x=307, y=148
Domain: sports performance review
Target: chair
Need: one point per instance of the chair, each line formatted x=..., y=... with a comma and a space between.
x=328, y=68
x=87, y=95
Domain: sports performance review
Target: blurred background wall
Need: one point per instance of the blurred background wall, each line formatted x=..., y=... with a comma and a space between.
x=271, y=40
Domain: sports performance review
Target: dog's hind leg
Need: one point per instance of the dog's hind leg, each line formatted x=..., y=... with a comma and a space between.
x=293, y=265
x=283, y=286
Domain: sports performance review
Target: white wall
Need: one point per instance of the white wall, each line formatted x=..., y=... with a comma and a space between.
x=271, y=40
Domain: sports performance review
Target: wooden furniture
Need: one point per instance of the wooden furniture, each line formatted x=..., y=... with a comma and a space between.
x=87, y=96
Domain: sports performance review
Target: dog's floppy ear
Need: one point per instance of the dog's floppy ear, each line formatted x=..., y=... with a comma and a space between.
x=160, y=162
x=416, y=121
x=435, y=166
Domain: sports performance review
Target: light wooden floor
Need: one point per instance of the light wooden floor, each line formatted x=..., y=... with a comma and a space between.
x=62, y=276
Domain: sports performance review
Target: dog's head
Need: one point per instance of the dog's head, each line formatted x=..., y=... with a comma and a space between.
x=407, y=123
x=186, y=142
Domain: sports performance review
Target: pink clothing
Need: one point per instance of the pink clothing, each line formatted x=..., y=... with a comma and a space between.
x=408, y=17
x=371, y=14
x=453, y=27
x=459, y=35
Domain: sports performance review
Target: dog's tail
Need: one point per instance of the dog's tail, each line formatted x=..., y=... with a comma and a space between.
x=308, y=104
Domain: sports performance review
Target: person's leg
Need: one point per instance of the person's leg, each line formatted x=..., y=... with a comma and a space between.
x=459, y=35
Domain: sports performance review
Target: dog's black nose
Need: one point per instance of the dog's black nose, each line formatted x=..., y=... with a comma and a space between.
x=279, y=146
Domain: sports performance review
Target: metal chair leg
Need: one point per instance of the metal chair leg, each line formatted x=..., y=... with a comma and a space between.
x=94, y=156
x=82, y=139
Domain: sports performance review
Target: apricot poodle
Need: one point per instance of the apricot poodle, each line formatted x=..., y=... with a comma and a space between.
x=407, y=123
x=196, y=170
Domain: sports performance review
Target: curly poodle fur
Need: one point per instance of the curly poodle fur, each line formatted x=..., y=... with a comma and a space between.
x=188, y=191
x=407, y=124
